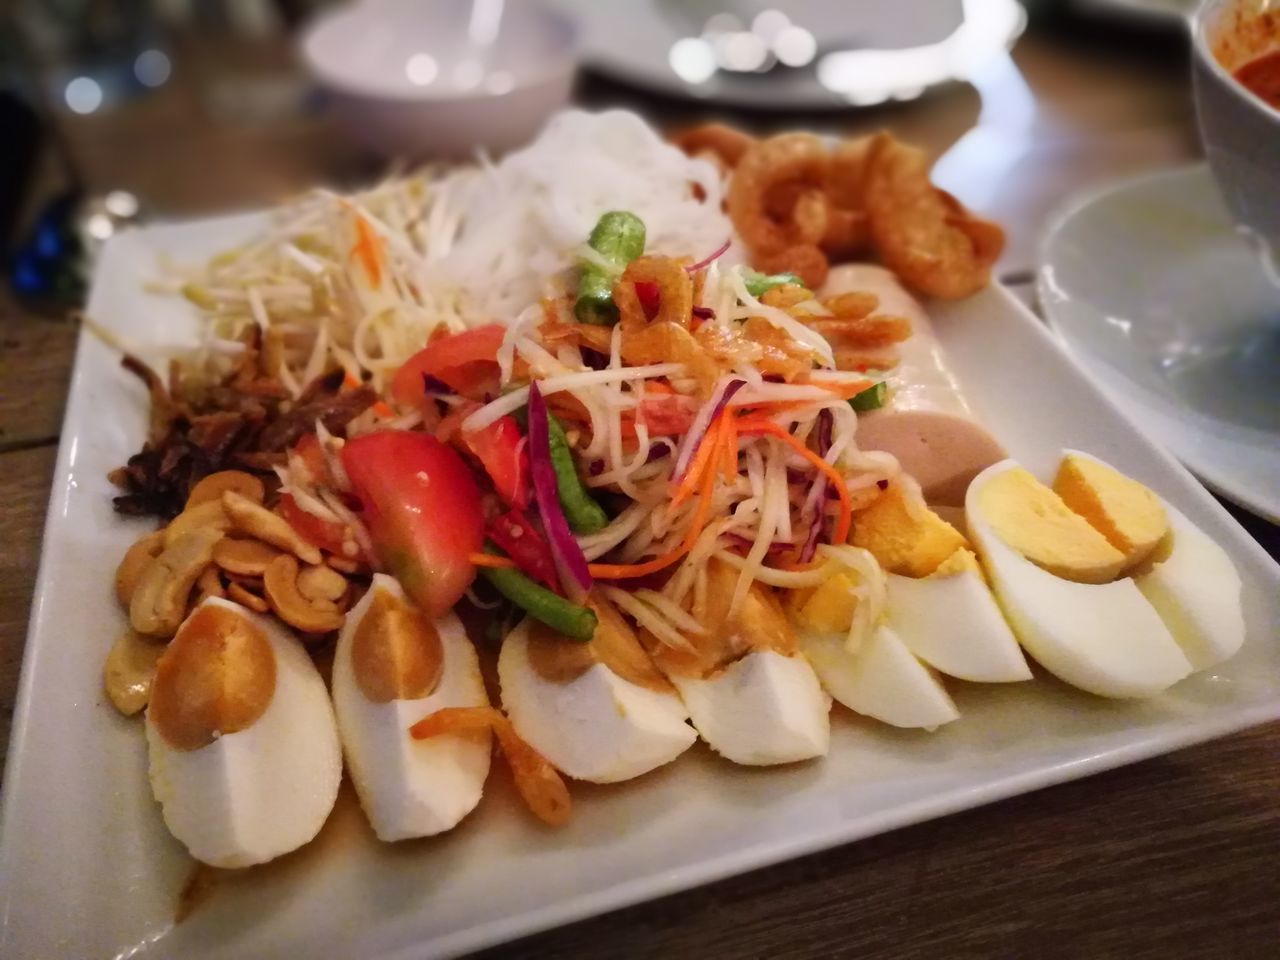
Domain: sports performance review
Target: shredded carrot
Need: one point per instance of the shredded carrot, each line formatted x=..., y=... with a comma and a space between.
x=492, y=561
x=368, y=250
x=628, y=571
x=760, y=425
x=539, y=783
x=703, y=458
x=380, y=408
x=729, y=448
x=846, y=391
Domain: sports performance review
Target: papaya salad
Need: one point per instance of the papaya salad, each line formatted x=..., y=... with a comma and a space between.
x=613, y=404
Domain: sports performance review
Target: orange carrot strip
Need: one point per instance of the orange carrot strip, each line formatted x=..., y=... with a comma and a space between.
x=845, y=519
x=538, y=782
x=490, y=560
x=368, y=250
x=701, y=458
x=627, y=571
x=845, y=391
x=729, y=447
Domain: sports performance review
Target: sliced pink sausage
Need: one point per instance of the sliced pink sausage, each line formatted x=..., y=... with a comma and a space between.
x=927, y=425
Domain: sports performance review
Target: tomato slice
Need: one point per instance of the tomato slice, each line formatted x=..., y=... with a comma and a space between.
x=522, y=542
x=308, y=450
x=318, y=532
x=422, y=509
x=667, y=416
x=502, y=452
x=467, y=362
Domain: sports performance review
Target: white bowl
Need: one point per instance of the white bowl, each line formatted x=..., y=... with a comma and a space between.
x=439, y=78
x=1241, y=132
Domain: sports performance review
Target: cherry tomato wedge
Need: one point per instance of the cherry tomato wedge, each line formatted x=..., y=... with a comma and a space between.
x=650, y=297
x=501, y=451
x=308, y=450
x=467, y=362
x=317, y=531
x=524, y=544
x=422, y=509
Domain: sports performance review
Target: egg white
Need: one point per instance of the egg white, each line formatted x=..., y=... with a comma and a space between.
x=411, y=788
x=881, y=679
x=598, y=726
x=762, y=709
x=1195, y=589
x=954, y=625
x=263, y=791
x=1103, y=638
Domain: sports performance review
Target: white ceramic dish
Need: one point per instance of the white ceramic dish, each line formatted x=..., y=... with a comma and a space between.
x=1169, y=309
x=413, y=79
x=87, y=869
x=856, y=52
x=1164, y=10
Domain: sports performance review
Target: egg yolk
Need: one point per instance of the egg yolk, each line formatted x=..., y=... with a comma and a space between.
x=217, y=676
x=396, y=652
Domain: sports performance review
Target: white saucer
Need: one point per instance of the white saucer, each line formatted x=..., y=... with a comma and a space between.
x=1169, y=309
x=1148, y=9
x=860, y=53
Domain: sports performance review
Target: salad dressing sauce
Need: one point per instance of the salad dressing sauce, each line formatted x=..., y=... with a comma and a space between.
x=759, y=624
x=558, y=659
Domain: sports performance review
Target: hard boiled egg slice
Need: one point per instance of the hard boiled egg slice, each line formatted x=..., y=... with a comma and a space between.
x=752, y=695
x=1196, y=590
x=950, y=620
x=1189, y=579
x=881, y=678
x=244, y=753
x=763, y=709
x=598, y=711
x=1102, y=637
x=392, y=667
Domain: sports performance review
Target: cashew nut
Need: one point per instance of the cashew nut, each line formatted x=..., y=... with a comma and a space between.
x=257, y=521
x=212, y=487
x=246, y=558
x=159, y=603
x=134, y=561
x=129, y=670
x=208, y=514
x=242, y=595
x=209, y=584
x=322, y=586
x=345, y=565
x=281, y=585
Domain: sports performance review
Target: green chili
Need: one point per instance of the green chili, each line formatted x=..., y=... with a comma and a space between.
x=619, y=238
x=872, y=398
x=568, y=619
x=759, y=283
x=582, y=512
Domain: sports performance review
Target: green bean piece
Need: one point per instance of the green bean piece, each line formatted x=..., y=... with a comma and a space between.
x=570, y=620
x=872, y=398
x=580, y=509
x=760, y=283
x=619, y=238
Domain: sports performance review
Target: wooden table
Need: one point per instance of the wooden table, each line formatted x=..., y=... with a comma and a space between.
x=1175, y=857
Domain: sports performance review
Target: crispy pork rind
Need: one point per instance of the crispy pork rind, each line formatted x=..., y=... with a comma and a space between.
x=924, y=234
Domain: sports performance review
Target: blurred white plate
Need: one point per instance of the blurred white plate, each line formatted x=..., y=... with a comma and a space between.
x=87, y=869
x=854, y=52
x=1169, y=309
x=1150, y=9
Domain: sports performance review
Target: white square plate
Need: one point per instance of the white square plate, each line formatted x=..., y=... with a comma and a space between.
x=87, y=869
